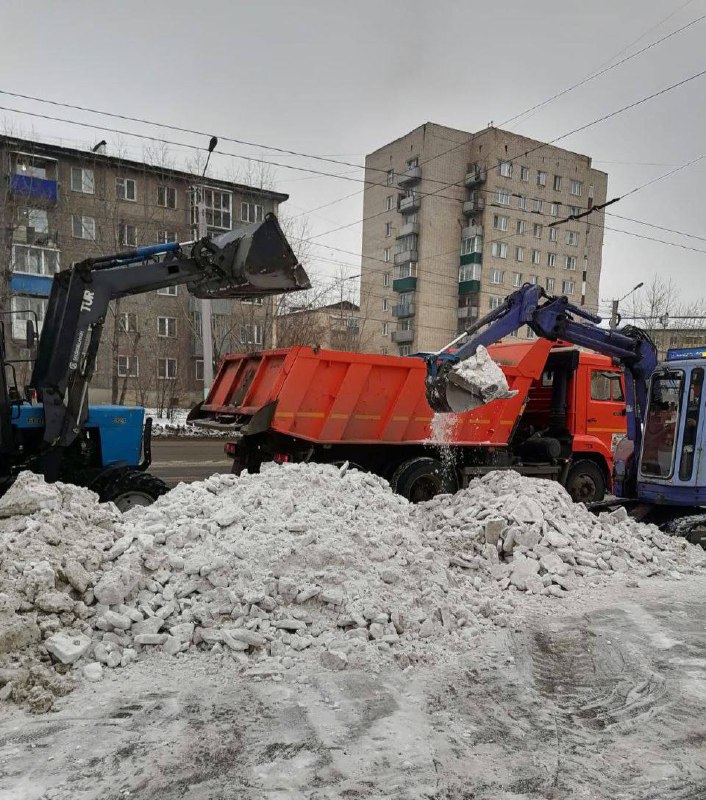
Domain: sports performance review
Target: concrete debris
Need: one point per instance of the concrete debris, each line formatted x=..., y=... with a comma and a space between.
x=300, y=561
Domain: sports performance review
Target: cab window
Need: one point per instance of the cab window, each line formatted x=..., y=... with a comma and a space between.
x=606, y=386
x=691, y=423
x=661, y=423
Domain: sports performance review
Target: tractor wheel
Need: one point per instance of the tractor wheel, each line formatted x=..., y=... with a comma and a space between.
x=422, y=478
x=133, y=488
x=585, y=482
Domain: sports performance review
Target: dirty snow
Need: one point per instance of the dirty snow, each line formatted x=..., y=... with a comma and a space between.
x=303, y=563
x=173, y=423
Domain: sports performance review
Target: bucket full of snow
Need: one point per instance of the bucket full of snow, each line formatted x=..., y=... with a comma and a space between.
x=475, y=381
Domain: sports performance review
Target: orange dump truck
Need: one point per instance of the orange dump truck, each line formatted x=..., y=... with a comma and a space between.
x=304, y=404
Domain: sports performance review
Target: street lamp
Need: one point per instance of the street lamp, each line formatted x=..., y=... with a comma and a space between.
x=615, y=316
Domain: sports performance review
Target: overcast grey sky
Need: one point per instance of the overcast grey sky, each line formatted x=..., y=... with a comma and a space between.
x=341, y=79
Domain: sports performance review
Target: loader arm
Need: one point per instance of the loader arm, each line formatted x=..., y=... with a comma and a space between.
x=252, y=260
x=552, y=318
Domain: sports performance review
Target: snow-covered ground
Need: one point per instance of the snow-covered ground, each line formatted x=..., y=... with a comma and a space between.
x=174, y=424
x=306, y=633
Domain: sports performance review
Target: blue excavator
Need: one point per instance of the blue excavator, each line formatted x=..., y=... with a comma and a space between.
x=48, y=427
x=660, y=466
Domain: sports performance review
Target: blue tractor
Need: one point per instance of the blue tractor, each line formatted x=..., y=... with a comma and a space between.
x=660, y=467
x=48, y=427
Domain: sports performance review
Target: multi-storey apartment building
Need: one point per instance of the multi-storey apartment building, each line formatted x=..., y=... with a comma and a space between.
x=455, y=221
x=60, y=205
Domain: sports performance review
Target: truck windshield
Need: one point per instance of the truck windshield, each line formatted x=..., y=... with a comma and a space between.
x=661, y=424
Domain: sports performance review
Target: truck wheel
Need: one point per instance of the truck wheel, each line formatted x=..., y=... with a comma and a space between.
x=585, y=482
x=132, y=488
x=421, y=479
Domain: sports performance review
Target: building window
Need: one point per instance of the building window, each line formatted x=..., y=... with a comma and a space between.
x=128, y=322
x=519, y=254
x=251, y=334
x=128, y=367
x=551, y=259
x=408, y=242
x=469, y=272
x=570, y=262
x=167, y=326
x=522, y=202
x=536, y=257
x=36, y=220
x=251, y=212
x=533, y=279
x=572, y=238
x=576, y=188
x=550, y=284
x=385, y=328
x=539, y=206
x=471, y=244
x=29, y=260
x=505, y=169
x=386, y=279
x=557, y=183
x=385, y=304
x=167, y=369
x=166, y=196
x=524, y=174
x=390, y=177
x=27, y=308
x=521, y=226
x=494, y=302
x=407, y=270
x=83, y=227
x=537, y=231
x=567, y=287
x=552, y=235
x=500, y=222
x=198, y=369
x=389, y=203
x=388, y=229
x=499, y=249
x=386, y=254
x=168, y=291
x=502, y=197
x=405, y=349
x=412, y=163
x=82, y=180
x=574, y=211
x=497, y=276
x=127, y=234
x=163, y=237
x=517, y=279
x=219, y=206
x=554, y=209
x=541, y=178
x=126, y=189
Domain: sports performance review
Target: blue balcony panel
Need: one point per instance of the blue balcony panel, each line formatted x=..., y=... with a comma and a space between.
x=34, y=187
x=36, y=285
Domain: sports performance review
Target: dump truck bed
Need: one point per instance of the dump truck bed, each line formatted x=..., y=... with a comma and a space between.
x=334, y=397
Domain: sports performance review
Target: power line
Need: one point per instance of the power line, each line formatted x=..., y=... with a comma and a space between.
x=658, y=227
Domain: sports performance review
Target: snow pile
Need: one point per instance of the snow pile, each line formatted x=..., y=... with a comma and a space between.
x=303, y=561
x=474, y=381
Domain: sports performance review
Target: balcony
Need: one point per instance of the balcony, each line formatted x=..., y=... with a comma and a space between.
x=471, y=231
x=402, y=310
x=405, y=256
x=468, y=312
x=471, y=258
x=475, y=175
x=30, y=186
x=473, y=205
x=408, y=284
x=410, y=204
x=402, y=337
x=33, y=285
x=408, y=229
x=410, y=177
x=468, y=287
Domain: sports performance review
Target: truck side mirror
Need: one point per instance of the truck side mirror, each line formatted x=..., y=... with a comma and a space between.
x=31, y=334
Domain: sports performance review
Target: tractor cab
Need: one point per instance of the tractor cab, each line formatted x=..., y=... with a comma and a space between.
x=672, y=465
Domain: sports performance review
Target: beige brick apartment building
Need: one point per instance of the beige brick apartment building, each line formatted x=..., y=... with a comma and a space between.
x=59, y=205
x=455, y=221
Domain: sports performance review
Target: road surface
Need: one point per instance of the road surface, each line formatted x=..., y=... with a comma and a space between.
x=187, y=460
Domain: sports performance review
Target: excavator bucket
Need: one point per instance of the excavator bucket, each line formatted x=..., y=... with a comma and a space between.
x=471, y=383
x=254, y=260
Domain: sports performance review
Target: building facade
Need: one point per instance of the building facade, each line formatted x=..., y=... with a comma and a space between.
x=455, y=221
x=60, y=205
x=332, y=327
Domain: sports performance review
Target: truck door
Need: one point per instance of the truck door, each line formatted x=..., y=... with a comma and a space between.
x=605, y=417
x=690, y=467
